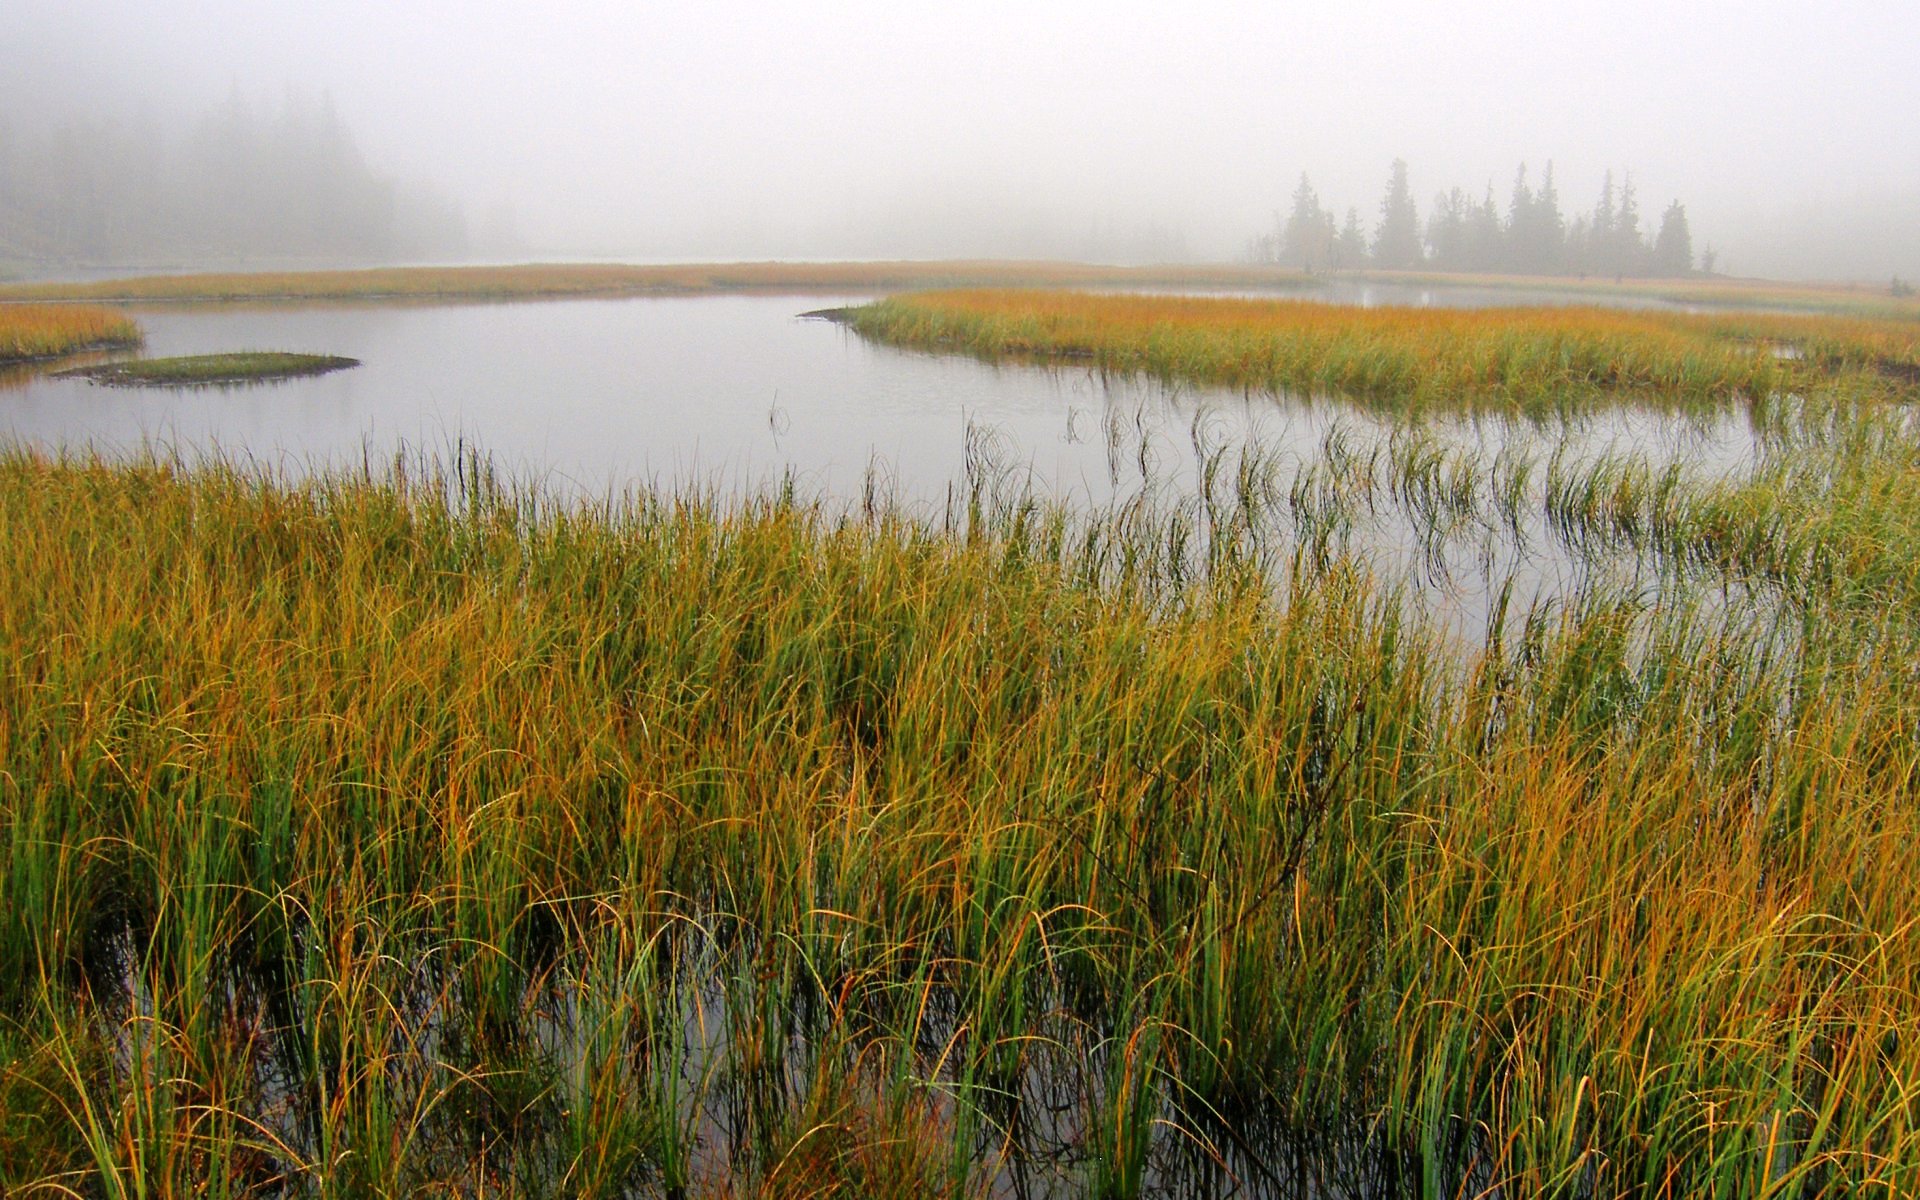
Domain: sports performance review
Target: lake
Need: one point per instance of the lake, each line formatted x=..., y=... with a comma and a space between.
x=589, y=395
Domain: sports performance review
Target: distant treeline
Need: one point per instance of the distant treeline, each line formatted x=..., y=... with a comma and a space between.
x=1531, y=237
x=244, y=183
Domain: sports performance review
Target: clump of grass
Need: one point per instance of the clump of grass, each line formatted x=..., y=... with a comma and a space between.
x=1535, y=360
x=39, y=331
x=203, y=370
x=411, y=832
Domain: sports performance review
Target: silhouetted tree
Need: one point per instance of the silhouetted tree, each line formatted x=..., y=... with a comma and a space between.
x=1447, y=231
x=1307, y=240
x=1350, y=248
x=1536, y=232
x=1630, y=253
x=1396, y=244
x=1486, y=238
x=1597, y=254
x=1673, y=245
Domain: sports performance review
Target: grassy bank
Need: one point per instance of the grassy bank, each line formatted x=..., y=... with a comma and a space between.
x=36, y=331
x=408, y=834
x=1536, y=360
x=208, y=370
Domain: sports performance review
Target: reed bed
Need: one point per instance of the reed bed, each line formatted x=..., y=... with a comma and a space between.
x=405, y=832
x=38, y=331
x=1541, y=361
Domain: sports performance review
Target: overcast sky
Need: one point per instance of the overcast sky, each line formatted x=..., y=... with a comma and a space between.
x=895, y=128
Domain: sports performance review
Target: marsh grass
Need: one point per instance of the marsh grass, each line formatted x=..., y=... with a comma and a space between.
x=40, y=331
x=1547, y=362
x=409, y=832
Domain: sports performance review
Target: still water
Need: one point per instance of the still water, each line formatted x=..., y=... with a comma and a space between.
x=597, y=396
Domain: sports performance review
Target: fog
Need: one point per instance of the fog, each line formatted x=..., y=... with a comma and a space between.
x=1114, y=131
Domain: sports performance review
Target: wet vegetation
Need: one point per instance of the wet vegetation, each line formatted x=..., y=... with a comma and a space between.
x=206, y=370
x=39, y=331
x=1540, y=361
x=409, y=832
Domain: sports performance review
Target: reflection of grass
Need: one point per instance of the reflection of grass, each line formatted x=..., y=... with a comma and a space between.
x=618, y=280
x=415, y=836
x=30, y=331
x=1533, y=359
x=199, y=370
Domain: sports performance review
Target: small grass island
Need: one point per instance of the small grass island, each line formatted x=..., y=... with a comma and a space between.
x=209, y=370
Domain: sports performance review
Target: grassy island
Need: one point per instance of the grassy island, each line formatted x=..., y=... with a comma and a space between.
x=210, y=370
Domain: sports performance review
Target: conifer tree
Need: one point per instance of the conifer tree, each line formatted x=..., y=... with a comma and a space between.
x=1447, y=231
x=1396, y=244
x=1350, y=248
x=1630, y=250
x=1673, y=246
x=1306, y=242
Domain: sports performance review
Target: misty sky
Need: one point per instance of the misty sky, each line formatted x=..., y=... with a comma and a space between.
x=878, y=129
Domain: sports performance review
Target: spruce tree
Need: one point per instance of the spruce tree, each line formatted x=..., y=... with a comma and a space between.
x=1550, y=253
x=1307, y=240
x=1447, y=230
x=1396, y=244
x=1601, y=239
x=1485, y=237
x=1350, y=248
x=1521, y=217
x=1630, y=247
x=1673, y=246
